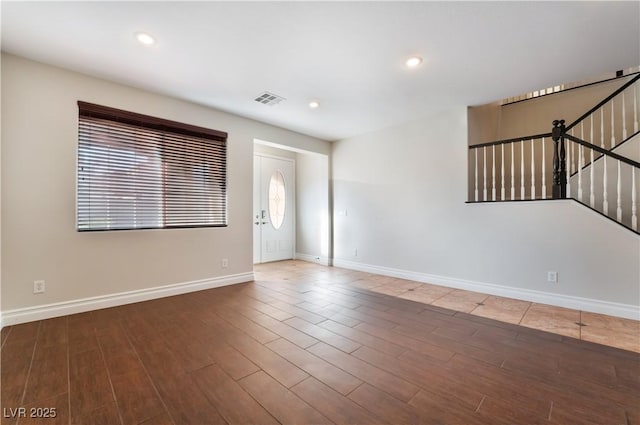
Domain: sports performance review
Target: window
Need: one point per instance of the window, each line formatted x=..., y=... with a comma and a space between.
x=141, y=172
x=277, y=199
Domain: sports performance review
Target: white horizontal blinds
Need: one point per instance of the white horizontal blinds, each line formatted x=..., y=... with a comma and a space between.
x=195, y=181
x=119, y=176
x=134, y=174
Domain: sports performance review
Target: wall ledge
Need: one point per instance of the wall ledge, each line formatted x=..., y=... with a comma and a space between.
x=627, y=311
x=47, y=311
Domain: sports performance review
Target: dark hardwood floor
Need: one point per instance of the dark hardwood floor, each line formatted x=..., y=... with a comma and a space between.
x=303, y=345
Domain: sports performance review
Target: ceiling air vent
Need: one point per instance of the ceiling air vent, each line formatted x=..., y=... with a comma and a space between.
x=269, y=98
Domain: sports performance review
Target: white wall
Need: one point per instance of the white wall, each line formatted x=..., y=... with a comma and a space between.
x=312, y=217
x=399, y=201
x=1, y=323
x=39, y=240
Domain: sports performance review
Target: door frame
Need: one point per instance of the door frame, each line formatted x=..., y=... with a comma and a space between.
x=293, y=196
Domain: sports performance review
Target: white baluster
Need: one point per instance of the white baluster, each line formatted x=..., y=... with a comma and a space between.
x=613, y=133
x=533, y=173
x=635, y=108
x=569, y=162
x=592, y=195
x=544, y=178
x=634, y=211
x=619, y=210
x=476, y=168
x=573, y=155
x=502, y=174
x=605, y=193
x=513, y=172
x=601, y=128
x=580, y=162
x=624, y=119
x=522, y=169
x=493, y=175
x=484, y=185
x=581, y=150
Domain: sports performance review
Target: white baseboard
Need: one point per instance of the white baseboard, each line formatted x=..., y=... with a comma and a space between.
x=325, y=261
x=30, y=314
x=626, y=311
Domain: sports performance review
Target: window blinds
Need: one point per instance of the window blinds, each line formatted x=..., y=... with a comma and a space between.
x=140, y=172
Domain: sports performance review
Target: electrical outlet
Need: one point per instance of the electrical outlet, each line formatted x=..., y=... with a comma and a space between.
x=225, y=263
x=552, y=277
x=38, y=287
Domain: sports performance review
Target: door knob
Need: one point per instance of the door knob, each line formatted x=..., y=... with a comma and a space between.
x=257, y=222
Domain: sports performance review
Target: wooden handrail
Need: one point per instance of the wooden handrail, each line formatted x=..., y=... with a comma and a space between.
x=507, y=141
x=607, y=99
x=603, y=151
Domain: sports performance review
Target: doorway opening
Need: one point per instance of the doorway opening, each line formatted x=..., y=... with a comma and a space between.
x=291, y=204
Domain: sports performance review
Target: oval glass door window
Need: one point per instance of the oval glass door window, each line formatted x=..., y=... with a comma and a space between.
x=277, y=199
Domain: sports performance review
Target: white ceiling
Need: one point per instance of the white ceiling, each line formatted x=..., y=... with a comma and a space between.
x=347, y=55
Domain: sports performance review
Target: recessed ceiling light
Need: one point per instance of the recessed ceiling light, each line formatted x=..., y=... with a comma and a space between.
x=413, y=61
x=314, y=104
x=145, y=38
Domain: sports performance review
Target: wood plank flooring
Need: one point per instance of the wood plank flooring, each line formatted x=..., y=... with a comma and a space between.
x=307, y=344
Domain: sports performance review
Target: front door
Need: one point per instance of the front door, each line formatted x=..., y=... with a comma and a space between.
x=273, y=209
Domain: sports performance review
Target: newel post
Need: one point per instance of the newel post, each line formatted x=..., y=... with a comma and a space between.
x=559, y=160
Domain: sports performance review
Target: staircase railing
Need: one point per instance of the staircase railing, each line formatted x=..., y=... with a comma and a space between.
x=516, y=159
x=627, y=171
x=585, y=161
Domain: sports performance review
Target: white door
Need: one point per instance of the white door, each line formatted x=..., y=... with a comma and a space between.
x=273, y=209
